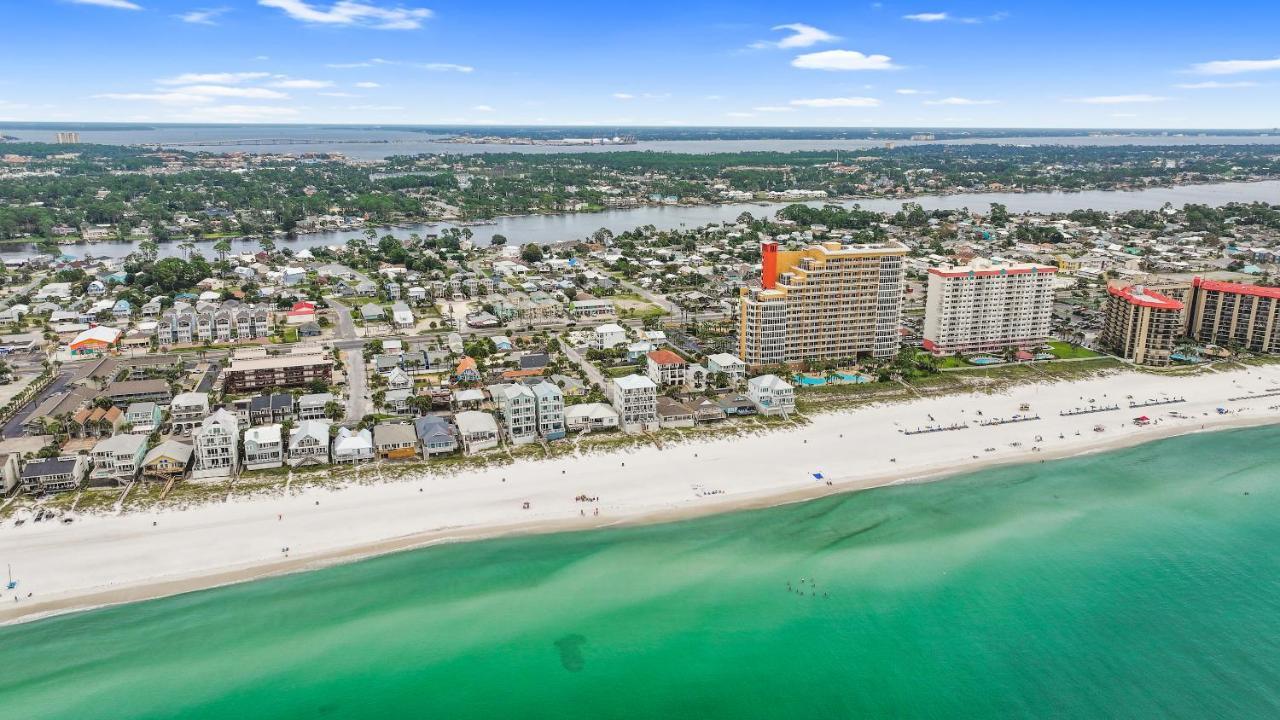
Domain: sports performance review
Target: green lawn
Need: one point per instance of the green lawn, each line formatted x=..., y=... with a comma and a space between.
x=1067, y=351
x=621, y=370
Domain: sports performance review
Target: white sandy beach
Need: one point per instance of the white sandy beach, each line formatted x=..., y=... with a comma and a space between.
x=117, y=558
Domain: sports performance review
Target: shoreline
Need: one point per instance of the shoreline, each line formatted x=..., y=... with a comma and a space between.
x=105, y=551
x=769, y=205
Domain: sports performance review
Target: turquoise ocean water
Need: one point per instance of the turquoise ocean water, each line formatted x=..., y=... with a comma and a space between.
x=1143, y=583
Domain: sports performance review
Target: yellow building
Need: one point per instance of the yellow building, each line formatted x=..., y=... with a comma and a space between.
x=825, y=302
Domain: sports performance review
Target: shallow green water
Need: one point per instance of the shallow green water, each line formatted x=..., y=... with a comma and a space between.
x=1142, y=583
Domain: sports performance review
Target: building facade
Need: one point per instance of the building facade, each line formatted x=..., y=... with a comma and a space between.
x=1141, y=325
x=550, y=402
x=983, y=307
x=217, y=446
x=294, y=370
x=207, y=323
x=1235, y=316
x=825, y=302
x=635, y=397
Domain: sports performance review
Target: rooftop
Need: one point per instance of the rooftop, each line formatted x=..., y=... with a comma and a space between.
x=1144, y=297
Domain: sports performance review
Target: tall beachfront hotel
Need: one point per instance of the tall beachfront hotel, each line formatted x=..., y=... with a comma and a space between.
x=984, y=307
x=824, y=302
x=1141, y=324
x=1232, y=315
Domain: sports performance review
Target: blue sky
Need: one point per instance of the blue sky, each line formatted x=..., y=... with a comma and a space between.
x=1084, y=63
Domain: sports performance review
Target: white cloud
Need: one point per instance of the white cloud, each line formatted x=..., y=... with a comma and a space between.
x=960, y=101
x=1124, y=115
x=482, y=108
x=367, y=84
x=1233, y=67
x=934, y=17
x=254, y=93
x=623, y=96
x=338, y=94
x=843, y=60
x=446, y=67
x=174, y=98
x=774, y=109
x=1212, y=84
x=301, y=84
x=434, y=66
x=349, y=12
x=838, y=102
x=212, y=78
x=928, y=17
x=740, y=114
x=802, y=35
x=374, y=107
x=1119, y=99
x=117, y=4
x=201, y=17
x=912, y=91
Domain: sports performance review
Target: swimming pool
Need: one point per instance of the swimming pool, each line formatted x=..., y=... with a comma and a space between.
x=853, y=378
x=840, y=377
x=985, y=361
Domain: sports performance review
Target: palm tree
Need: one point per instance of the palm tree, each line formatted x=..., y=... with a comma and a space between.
x=222, y=247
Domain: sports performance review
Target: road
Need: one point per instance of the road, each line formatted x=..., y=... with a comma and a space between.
x=359, y=403
x=592, y=372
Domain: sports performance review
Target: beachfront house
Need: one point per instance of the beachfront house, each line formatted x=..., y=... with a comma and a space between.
x=263, y=447
x=167, y=462
x=590, y=416
x=435, y=436
x=635, y=397
x=477, y=430
x=309, y=443
x=217, y=446
x=550, y=410
x=519, y=407
x=117, y=459
x=673, y=413
x=395, y=441
x=771, y=395
x=51, y=475
x=352, y=446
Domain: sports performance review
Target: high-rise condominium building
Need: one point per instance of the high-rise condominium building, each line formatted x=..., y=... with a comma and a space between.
x=824, y=302
x=1232, y=315
x=1141, y=325
x=983, y=307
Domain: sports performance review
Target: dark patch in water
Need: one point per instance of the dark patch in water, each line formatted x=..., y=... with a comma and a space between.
x=570, y=648
x=327, y=709
x=845, y=537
